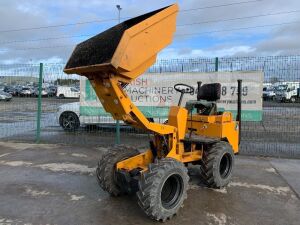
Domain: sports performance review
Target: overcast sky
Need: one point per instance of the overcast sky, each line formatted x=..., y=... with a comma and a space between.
x=281, y=39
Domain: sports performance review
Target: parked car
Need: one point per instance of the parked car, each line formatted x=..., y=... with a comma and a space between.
x=18, y=91
x=69, y=118
x=52, y=90
x=288, y=92
x=45, y=92
x=11, y=90
x=269, y=93
x=4, y=96
x=26, y=92
x=67, y=92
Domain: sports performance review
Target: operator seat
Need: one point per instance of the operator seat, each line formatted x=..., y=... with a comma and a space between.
x=207, y=96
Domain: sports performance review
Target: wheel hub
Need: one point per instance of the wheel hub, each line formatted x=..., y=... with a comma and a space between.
x=171, y=191
x=225, y=165
x=69, y=121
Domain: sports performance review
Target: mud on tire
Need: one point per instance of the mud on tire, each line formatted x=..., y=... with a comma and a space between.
x=106, y=168
x=217, y=165
x=162, y=189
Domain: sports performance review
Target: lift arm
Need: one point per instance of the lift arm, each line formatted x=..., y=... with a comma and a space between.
x=118, y=103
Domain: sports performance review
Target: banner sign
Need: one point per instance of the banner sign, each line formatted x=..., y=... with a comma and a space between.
x=154, y=93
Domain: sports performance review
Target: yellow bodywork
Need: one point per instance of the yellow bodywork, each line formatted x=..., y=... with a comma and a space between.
x=137, y=49
x=140, y=40
x=219, y=126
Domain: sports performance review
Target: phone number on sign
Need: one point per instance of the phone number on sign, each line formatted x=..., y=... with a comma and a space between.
x=233, y=90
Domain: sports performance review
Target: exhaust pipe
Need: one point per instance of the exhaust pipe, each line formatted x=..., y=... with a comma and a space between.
x=239, y=108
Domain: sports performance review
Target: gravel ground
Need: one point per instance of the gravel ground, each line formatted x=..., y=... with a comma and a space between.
x=56, y=184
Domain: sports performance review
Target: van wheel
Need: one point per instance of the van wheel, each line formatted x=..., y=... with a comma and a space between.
x=293, y=99
x=61, y=96
x=69, y=121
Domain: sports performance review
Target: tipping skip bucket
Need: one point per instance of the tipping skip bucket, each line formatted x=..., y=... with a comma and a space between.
x=127, y=49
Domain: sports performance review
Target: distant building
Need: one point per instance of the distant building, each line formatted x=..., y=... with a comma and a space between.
x=15, y=80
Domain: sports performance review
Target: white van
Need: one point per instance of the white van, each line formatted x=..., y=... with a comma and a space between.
x=288, y=92
x=67, y=92
x=269, y=93
x=69, y=118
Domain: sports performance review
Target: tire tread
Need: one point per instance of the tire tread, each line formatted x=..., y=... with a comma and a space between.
x=149, y=183
x=208, y=165
x=105, y=168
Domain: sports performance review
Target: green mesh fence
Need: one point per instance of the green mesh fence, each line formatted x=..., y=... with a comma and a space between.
x=73, y=116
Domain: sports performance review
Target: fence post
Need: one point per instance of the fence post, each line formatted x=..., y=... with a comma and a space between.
x=216, y=64
x=39, y=106
x=118, y=132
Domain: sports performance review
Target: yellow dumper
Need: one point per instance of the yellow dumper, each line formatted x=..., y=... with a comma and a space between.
x=197, y=133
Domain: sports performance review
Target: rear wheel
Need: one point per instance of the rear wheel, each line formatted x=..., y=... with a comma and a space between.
x=163, y=188
x=107, y=167
x=217, y=165
x=69, y=121
x=61, y=96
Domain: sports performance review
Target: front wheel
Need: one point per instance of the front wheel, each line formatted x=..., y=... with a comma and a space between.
x=163, y=188
x=293, y=100
x=69, y=121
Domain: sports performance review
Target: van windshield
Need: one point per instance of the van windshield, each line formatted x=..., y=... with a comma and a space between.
x=281, y=88
x=268, y=89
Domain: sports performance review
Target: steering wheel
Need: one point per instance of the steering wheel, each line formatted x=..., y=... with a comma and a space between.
x=184, y=88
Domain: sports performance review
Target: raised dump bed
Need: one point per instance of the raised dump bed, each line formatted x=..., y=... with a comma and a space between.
x=127, y=49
